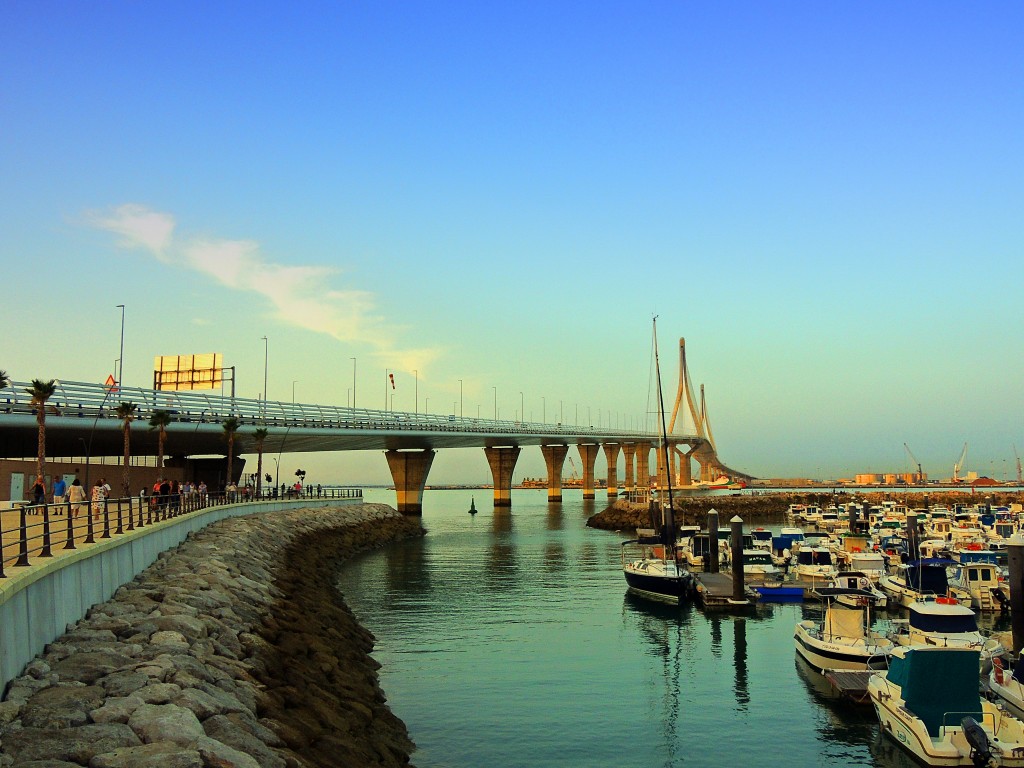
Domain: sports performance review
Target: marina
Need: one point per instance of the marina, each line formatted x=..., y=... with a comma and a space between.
x=524, y=620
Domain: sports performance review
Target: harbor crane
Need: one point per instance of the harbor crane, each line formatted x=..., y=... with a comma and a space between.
x=919, y=478
x=960, y=464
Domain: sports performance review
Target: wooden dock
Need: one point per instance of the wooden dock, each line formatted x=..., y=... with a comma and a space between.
x=852, y=685
x=715, y=590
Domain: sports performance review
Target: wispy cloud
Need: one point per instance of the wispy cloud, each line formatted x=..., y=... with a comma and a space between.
x=303, y=296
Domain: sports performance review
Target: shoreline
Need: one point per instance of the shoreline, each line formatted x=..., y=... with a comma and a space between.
x=233, y=649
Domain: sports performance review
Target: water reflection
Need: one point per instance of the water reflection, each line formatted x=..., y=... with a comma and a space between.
x=739, y=655
x=501, y=570
x=663, y=627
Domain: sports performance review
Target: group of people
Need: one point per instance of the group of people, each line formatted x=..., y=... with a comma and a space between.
x=75, y=494
x=168, y=493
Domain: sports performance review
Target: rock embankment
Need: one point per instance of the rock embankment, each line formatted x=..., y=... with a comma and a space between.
x=234, y=649
x=770, y=508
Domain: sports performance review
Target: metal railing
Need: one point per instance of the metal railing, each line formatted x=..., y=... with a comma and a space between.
x=68, y=524
x=95, y=401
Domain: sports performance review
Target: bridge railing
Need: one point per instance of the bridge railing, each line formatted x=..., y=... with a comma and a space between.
x=95, y=401
x=36, y=530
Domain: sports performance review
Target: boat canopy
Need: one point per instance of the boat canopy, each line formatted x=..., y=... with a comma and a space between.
x=938, y=683
x=944, y=622
x=930, y=578
x=978, y=556
x=847, y=623
x=761, y=534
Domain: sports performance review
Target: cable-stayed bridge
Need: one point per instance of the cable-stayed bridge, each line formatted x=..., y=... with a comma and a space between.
x=81, y=421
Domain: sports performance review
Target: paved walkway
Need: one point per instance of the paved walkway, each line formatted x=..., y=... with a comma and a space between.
x=10, y=526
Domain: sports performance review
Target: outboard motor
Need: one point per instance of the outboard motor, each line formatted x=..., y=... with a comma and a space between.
x=981, y=754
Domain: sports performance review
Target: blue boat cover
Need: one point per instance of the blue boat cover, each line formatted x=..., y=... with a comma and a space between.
x=940, y=685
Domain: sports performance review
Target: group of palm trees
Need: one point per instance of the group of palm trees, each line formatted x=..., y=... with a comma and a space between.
x=41, y=391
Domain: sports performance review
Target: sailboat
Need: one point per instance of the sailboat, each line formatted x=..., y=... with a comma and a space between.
x=658, y=573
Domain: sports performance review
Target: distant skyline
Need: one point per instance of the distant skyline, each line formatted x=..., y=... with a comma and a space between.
x=494, y=199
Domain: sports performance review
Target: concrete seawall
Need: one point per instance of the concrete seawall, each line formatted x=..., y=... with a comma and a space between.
x=234, y=649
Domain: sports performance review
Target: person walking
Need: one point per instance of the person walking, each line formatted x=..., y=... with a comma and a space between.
x=38, y=493
x=60, y=489
x=76, y=495
x=98, y=497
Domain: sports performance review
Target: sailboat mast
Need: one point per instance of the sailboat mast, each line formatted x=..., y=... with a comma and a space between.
x=667, y=516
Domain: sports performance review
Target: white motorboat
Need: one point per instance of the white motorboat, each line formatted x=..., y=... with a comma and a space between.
x=923, y=579
x=944, y=623
x=928, y=701
x=980, y=576
x=1004, y=680
x=860, y=582
x=843, y=638
x=814, y=564
x=758, y=566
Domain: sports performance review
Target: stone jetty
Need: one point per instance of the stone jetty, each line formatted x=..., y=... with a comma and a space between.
x=234, y=649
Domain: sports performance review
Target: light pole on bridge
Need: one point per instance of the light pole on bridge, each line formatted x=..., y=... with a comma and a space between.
x=353, y=382
x=522, y=407
x=120, y=355
x=416, y=389
x=544, y=409
x=495, y=403
x=266, y=359
x=460, y=399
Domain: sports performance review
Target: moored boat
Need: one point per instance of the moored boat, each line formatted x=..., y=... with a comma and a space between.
x=944, y=623
x=843, y=639
x=928, y=701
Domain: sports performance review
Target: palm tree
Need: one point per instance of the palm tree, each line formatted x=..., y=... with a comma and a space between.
x=40, y=392
x=159, y=421
x=230, y=425
x=260, y=435
x=126, y=413
x=5, y=380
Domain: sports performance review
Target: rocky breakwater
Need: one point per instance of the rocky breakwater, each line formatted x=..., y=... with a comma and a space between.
x=234, y=649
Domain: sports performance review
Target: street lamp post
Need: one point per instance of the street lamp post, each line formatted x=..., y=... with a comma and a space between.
x=294, y=382
x=495, y=403
x=266, y=359
x=460, y=399
x=120, y=354
x=353, y=382
x=522, y=408
x=544, y=409
x=387, y=374
x=416, y=390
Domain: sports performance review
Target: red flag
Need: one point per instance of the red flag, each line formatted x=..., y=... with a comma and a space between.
x=392, y=377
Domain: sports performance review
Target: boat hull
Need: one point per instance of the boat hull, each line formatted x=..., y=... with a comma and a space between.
x=676, y=589
x=823, y=656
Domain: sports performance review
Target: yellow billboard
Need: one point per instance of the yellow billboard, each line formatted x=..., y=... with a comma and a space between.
x=185, y=372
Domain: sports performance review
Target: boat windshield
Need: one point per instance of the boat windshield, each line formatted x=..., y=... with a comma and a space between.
x=814, y=557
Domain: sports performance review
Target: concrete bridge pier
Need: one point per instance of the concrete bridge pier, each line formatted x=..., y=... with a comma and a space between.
x=685, y=468
x=611, y=453
x=629, y=451
x=502, y=460
x=588, y=453
x=554, y=457
x=643, y=466
x=409, y=471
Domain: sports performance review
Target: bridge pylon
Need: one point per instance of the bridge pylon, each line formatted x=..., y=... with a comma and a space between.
x=502, y=461
x=554, y=458
x=409, y=471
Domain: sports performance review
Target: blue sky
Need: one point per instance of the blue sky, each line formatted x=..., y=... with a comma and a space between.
x=824, y=199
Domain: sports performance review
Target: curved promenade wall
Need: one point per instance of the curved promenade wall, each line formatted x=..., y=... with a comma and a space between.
x=37, y=604
x=233, y=649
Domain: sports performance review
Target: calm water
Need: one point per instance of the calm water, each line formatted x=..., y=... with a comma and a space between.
x=509, y=640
